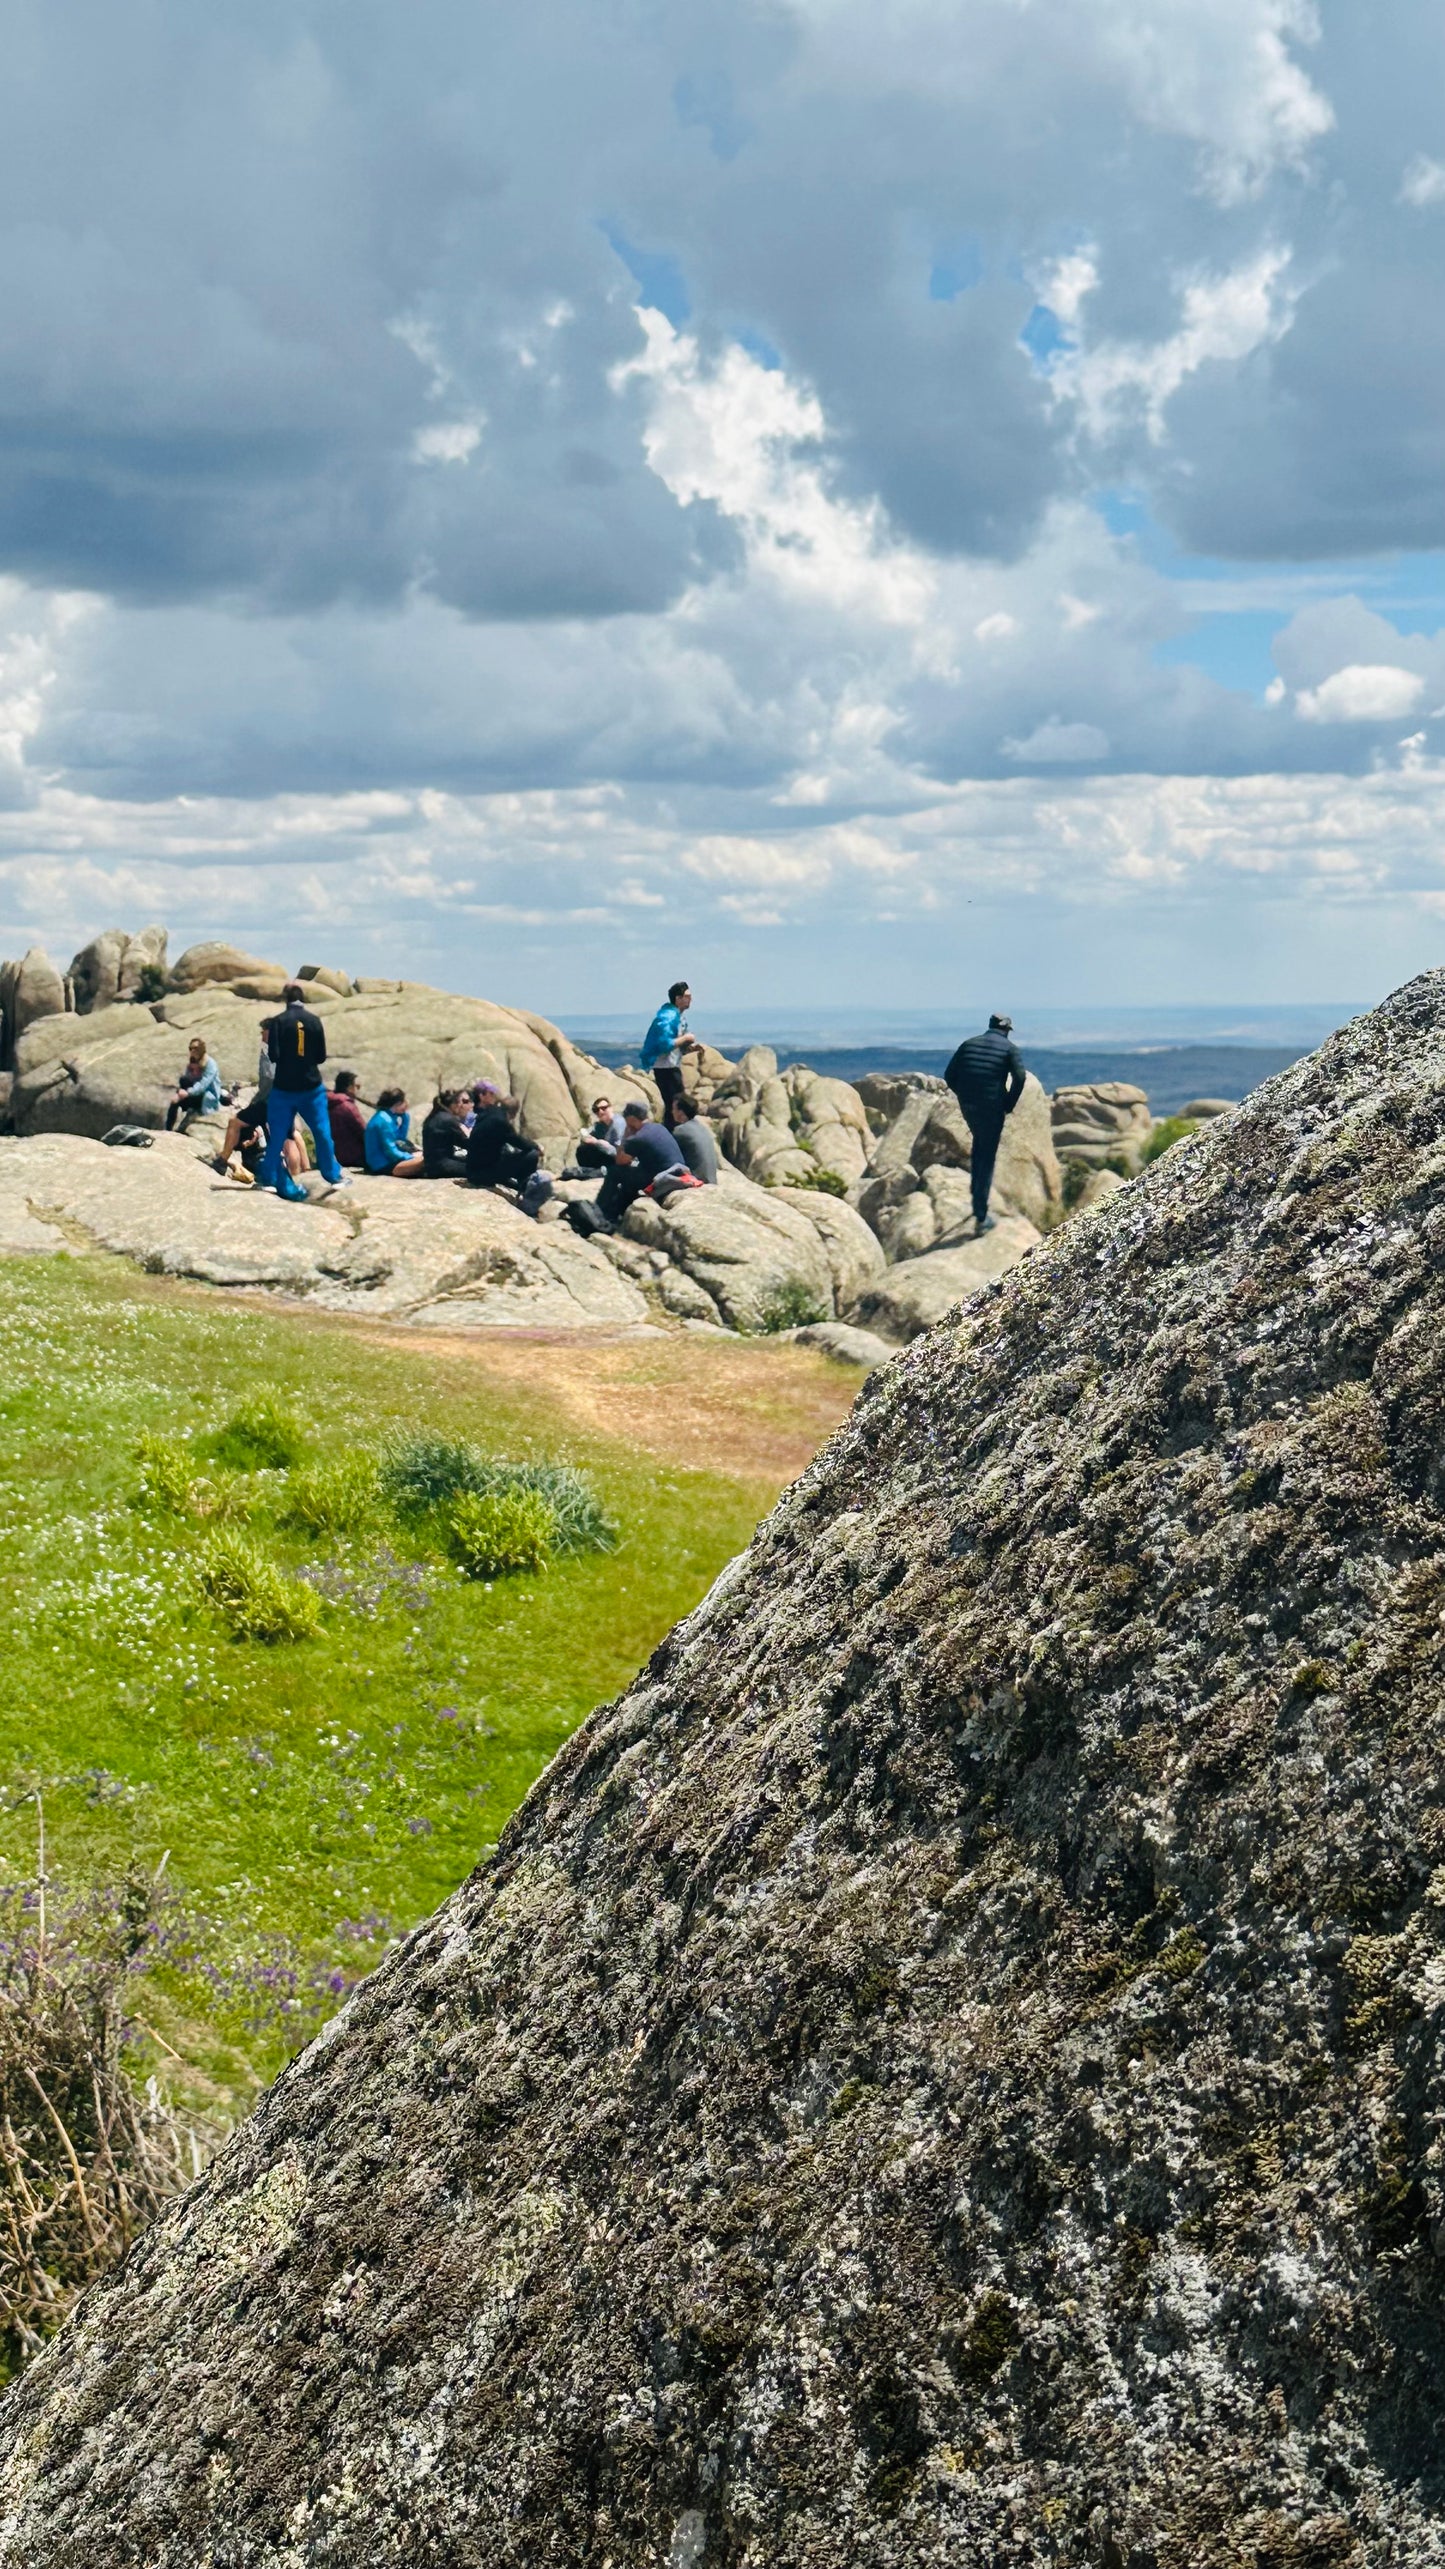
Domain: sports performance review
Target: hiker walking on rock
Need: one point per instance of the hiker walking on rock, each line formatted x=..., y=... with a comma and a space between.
x=986, y=1075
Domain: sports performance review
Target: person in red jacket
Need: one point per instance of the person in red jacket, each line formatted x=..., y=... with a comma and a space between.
x=348, y=1124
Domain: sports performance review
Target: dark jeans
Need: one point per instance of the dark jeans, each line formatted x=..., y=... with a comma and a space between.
x=513, y=1166
x=177, y=1111
x=619, y=1188
x=593, y=1155
x=985, y=1123
x=670, y=1085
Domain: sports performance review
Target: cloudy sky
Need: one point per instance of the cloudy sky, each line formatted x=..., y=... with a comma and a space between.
x=873, y=500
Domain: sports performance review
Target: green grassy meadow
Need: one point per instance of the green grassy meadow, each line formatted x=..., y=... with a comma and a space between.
x=303, y=1802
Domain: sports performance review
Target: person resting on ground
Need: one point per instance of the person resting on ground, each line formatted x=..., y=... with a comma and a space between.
x=695, y=1141
x=388, y=1138
x=599, y=1144
x=648, y=1157
x=497, y=1156
x=198, y=1091
x=444, y=1137
x=348, y=1124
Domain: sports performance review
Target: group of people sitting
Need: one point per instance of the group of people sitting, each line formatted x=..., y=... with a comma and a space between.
x=468, y=1134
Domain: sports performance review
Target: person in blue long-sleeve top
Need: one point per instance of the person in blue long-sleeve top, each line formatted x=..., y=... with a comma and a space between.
x=388, y=1138
x=664, y=1044
x=198, y=1091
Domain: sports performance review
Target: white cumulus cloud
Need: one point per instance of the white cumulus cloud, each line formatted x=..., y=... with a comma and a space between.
x=1362, y=693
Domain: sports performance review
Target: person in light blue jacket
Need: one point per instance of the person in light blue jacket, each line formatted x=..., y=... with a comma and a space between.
x=388, y=1138
x=664, y=1044
x=198, y=1091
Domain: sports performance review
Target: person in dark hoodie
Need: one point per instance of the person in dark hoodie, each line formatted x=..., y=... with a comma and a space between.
x=444, y=1137
x=296, y=1046
x=986, y=1076
x=498, y=1156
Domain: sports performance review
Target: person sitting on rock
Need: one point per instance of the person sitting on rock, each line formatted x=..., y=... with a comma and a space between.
x=695, y=1141
x=388, y=1138
x=482, y=1093
x=598, y=1146
x=348, y=1124
x=987, y=1077
x=664, y=1044
x=246, y=1131
x=648, y=1157
x=497, y=1156
x=297, y=1048
x=444, y=1137
x=198, y=1091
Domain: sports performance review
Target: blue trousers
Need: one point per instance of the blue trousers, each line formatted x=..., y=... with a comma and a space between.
x=282, y=1108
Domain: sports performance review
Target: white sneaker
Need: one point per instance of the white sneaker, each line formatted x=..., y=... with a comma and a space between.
x=338, y=1183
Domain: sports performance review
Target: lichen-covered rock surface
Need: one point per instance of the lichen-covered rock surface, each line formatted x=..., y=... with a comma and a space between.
x=946, y=2069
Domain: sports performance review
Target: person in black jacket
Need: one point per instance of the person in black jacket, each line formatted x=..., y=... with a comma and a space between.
x=496, y=1153
x=444, y=1137
x=297, y=1046
x=986, y=1075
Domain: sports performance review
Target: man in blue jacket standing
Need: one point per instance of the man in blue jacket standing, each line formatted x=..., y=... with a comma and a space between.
x=986, y=1075
x=664, y=1044
x=297, y=1046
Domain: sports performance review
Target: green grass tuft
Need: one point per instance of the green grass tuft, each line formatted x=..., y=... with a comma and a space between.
x=341, y=1497
x=260, y=1436
x=252, y=1595
x=495, y=1533
x=790, y=1306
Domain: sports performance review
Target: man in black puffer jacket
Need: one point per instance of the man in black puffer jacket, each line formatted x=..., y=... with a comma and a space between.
x=986, y=1075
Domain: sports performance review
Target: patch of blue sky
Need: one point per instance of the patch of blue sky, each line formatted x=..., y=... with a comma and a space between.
x=1234, y=650
x=657, y=275
x=1044, y=339
x=760, y=348
x=955, y=271
x=1409, y=588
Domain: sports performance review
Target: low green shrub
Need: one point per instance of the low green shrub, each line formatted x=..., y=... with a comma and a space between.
x=790, y=1306
x=167, y=1474
x=340, y=1497
x=254, y=1597
x=260, y=1436
x=420, y=1474
x=822, y=1182
x=171, y=1486
x=495, y=1533
x=1174, y=1128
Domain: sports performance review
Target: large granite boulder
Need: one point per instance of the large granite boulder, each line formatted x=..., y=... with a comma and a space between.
x=214, y=963
x=29, y=990
x=921, y=1290
x=437, y=1255
x=948, y=2068
x=763, y=1264
x=112, y=965
x=855, y=1257
x=828, y=1118
x=1100, y=1122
